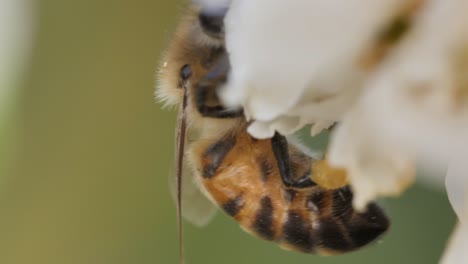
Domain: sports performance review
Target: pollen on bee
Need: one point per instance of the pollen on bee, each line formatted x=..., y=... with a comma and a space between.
x=327, y=176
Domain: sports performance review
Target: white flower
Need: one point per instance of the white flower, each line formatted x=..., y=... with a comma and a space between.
x=456, y=250
x=393, y=73
x=457, y=184
x=306, y=52
x=213, y=6
x=412, y=106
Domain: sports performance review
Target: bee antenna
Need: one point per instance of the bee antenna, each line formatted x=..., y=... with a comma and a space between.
x=180, y=158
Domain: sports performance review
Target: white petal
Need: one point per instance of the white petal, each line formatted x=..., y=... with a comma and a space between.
x=374, y=168
x=278, y=49
x=284, y=125
x=456, y=251
x=457, y=186
x=213, y=6
x=320, y=126
x=414, y=95
x=410, y=109
x=260, y=130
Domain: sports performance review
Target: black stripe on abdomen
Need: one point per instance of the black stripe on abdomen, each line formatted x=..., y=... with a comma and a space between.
x=215, y=154
x=342, y=204
x=263, y=223
x=233, y=206
x=297, y=232
x=334, y=236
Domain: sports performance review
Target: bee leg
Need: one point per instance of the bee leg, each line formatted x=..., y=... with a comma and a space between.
x=209, y=84
x=279, y=145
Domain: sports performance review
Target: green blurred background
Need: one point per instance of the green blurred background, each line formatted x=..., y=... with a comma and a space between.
x=87, y=177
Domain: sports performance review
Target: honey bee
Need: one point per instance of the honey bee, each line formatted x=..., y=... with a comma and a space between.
x=265, y=185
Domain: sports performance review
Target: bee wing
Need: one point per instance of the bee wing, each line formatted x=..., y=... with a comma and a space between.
x=196, y=207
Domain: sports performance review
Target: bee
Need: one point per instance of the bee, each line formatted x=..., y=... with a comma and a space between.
x=264, y=184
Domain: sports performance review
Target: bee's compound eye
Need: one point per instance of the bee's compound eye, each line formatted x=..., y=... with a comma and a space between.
x=212, y=23
x=185, y=72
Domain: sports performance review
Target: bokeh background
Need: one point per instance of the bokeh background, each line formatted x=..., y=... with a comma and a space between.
x=86, y=154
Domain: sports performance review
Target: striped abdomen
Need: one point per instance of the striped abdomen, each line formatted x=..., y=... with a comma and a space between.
x=241, y=176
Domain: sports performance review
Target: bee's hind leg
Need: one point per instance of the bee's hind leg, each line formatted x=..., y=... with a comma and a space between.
x=279, y=145
x=209, y=84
